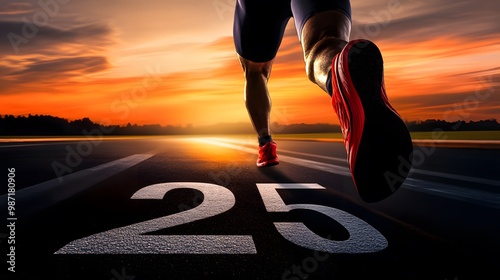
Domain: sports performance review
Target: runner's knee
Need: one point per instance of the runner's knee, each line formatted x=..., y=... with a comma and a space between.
x=256, y=69
x=323, y=35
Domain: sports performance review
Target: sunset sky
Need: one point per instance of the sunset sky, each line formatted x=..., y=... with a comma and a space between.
x=173, y=62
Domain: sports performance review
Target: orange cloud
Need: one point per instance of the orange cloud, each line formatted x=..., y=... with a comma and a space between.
x=435, y=77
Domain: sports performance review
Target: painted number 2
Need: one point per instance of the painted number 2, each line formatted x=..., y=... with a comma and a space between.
x=133, y=239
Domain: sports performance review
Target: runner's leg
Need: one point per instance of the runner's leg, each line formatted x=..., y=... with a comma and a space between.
x=259, y=26
x=257, y=99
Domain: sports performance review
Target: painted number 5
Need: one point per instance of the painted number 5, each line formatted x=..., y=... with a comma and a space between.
x=363, y=238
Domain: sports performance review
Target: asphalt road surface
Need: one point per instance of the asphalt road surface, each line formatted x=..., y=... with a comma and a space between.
x=198, y=208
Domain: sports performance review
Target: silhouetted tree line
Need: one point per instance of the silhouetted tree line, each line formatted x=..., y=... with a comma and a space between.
x=43, y=125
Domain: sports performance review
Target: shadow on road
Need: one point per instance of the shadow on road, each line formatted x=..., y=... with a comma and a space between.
x=275, y=173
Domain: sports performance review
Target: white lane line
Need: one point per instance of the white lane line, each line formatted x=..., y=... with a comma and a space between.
x=464, y=178
x=332, y=168
x=480, y=197
x=340, y=160
x=32, y=145
x=337, y=159
x=457, y=177
x=439, y=189
x=335, y=169
x=38, y=197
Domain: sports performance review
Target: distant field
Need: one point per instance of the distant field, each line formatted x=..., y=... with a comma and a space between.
x=309, y=136
x=459, y=135
x=444, y=135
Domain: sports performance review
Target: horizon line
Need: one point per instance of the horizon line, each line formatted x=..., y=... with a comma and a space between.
x=417, y=121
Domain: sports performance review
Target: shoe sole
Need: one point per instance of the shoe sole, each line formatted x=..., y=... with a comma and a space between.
x=383, y=158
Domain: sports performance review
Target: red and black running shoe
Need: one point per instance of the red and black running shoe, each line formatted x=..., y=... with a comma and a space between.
x=267, y=155
x=378, y=144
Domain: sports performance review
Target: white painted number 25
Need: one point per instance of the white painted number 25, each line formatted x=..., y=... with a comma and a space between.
x=134, y=239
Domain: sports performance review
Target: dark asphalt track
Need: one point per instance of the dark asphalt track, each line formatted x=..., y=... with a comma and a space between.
x=443, y=223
